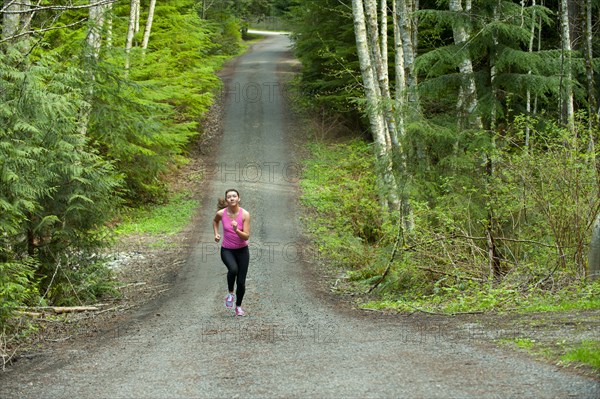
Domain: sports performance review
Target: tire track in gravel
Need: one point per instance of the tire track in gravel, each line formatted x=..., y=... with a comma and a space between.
x=294, y=342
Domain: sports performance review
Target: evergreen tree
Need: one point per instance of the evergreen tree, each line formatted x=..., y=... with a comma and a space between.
x=55, y=191
x=325, y=44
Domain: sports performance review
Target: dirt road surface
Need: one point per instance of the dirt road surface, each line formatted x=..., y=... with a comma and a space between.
x=296, y=341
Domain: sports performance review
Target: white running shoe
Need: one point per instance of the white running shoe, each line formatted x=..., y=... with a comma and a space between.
x=229, y=301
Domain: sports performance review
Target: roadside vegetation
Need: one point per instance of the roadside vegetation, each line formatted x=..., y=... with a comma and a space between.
x=433, y=271
x=166, y=219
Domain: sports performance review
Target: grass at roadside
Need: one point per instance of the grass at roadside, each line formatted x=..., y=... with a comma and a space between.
x=486, y=298
x=166, y=219
x=584, y=354
x=587, y=352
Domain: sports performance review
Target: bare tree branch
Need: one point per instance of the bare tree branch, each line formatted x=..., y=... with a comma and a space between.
x=41, y=30
x=35, y=8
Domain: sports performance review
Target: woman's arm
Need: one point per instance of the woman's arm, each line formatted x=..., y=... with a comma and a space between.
x=216, y=222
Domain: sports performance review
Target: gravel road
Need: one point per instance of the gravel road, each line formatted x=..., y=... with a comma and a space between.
x=296, y=340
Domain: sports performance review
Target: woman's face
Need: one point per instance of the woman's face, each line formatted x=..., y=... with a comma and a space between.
x=232, y=198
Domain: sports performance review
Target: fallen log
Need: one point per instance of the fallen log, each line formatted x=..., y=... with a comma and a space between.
x=74, y=309
x=64, y=309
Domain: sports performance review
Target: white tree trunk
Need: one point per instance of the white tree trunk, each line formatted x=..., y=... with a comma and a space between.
x=467, y=98
x=385, y=79
x=109, y=25
x=94, y=41
x=528, y=95
x=371, y=87
x=407, y=29
x=130, y=33
x=11, y=19
x=567, y=73
x=137, y=7
x=148, y=24
x=16, y=25
x=384, y=39
x=374, y=109
x=493, y=72
x=96, y=22
x=377, y=45
x=400, y=88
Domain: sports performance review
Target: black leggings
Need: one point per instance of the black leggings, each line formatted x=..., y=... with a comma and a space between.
x=237, y=261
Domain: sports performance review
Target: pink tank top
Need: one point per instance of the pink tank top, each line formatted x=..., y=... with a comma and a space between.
x=230, y=239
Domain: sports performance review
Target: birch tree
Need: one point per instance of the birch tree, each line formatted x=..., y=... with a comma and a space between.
x=94, y=44
x=467, y=96
x=377, y=44
x=16, y=23
x=387, y=115
x=375, y=110
x=528, y=106
x=566, y=72
x=407, y=32
x=149, y=21
x=11, y=19
x=400, y=74
x=130, y=32
x=137, y=7
x=96, y=23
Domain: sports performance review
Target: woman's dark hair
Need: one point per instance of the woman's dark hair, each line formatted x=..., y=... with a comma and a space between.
x=222, y=202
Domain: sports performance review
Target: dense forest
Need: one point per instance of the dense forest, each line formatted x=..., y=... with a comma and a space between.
x=483, y=119
x=478, y=124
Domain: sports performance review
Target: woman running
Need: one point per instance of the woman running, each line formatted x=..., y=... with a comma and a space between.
x=234, y=249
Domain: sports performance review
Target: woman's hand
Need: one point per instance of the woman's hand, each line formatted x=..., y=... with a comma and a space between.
x=217, y=237
x=234, y=224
